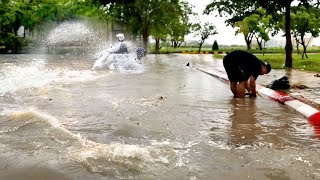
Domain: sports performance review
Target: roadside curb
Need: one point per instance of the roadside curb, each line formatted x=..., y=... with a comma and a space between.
x=311, y=113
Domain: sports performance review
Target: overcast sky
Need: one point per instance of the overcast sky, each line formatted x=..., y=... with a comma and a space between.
x=226, y=34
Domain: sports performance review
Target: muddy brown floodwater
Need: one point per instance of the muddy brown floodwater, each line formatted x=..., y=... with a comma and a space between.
x=60, y=120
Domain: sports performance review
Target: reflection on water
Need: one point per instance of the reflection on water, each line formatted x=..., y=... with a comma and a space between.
x=244, y=126
x=59, y=118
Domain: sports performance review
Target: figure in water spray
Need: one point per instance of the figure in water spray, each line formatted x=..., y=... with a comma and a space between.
x=119, y=58
x=120, y=47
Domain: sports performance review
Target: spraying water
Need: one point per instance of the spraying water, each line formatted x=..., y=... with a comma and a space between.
x=123, y=56
x=120, y=58
x=72, y=33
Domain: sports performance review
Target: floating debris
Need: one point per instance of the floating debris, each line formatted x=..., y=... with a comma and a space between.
x=299, y=86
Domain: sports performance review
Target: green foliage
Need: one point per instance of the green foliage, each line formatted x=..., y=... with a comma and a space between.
x=159, y=18
x=215, y=45
x=32, y=14
x=234, y=10
x=238, y=10
x=180, y=26
x=204, y=31
x=247, y=16
x=259, y=26
x=304, y=22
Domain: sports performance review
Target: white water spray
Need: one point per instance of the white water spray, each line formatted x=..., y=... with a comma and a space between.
x=72, y=33
x=129, y=62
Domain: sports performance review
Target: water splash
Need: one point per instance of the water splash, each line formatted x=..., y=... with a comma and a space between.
x=123, y=62
x=114, y=158
x=72, y=33
x=76, y=37
x=80, y=36
x=35, y=75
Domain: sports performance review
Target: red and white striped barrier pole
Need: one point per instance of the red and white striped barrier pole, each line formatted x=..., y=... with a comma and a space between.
x=311, y=113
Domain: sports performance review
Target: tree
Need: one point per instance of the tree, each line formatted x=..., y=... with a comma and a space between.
x=279, y=5
x=204, y=32
x=244, y=28
x=273, y=7
x=243, y=15
x=151, y=17
x=33, y=14
x=304, y=21
x=215, y=45
x=255, y=25
x=181, y=27
x=233, y=10
x=172, y=23
x=7, y=20
x=259, y=24
x=161, y=26
x=237, y=10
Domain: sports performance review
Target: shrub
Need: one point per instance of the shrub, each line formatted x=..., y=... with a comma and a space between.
x=215, y=45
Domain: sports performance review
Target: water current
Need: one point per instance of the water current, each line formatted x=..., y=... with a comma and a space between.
x=61, y=120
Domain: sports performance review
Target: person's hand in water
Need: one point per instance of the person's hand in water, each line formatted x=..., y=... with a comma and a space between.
x=250, y=94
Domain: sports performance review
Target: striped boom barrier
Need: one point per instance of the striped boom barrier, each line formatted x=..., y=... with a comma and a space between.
x=311, y=113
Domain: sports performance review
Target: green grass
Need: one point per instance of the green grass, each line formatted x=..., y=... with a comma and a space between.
x=277, y=61
x=312, y=63
x=273, y=50
x=275, y=56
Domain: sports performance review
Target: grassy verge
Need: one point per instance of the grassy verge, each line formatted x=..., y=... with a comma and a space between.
x=272, y=50
x=277, y=61
x=275, y=56
x=308, y=64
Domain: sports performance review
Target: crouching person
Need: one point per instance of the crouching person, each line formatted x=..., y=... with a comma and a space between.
x=243, y=69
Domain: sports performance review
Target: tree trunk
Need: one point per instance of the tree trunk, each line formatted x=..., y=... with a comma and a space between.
x=200, y=47
x=145, y=35
x=288, y=47
x=175, y=44
x=260, y=44
x=248, y=42
x=16, y=44
x=305, y=51
x=264, y=47
x=157, y=48
x=297, y=45
x=304, y=47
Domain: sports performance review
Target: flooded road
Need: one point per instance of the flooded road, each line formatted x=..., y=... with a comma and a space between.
x=60, y=120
